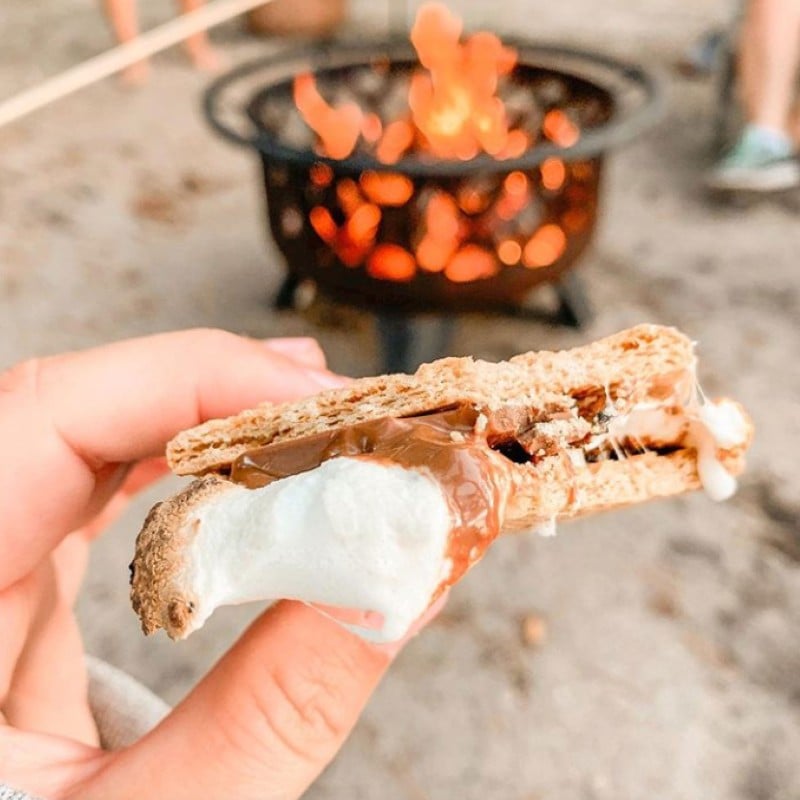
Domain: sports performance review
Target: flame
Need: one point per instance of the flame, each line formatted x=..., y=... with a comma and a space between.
x=454, y=104
x=337, y=128
x=371, y=128
x=322, y=222
x=560, y=129
x=363, y=225
x=471, y=200
x=455, y=110
x=471, y=263
x=545, y=247
x=442, y=233
x=515, y=196
x=392, y=263
x=387, y=188
x=397, y=137
x=350, y=199
x=509, y=252
x=553, y=173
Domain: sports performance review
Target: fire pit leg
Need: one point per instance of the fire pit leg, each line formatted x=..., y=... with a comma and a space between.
x=285, y=297
x=574, y=309
x=406, y=342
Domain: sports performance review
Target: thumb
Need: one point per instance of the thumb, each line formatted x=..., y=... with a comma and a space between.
x=265, y=721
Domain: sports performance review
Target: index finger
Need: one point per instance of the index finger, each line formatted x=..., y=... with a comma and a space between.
x=68, y=421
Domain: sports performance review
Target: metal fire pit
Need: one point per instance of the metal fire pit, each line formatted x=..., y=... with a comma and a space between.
x=616, y=101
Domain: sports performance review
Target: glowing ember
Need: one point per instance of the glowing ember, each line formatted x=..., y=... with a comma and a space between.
x=554, y=173
x=387, y=188
x=321, y=175
x=545, y=247
x=471, y=263
x=322, y=222
x=363, y=225
x=459, y=227
x=472, y=201
x=516, y=195
x=371, y=128
x=442, y=233
x=509, y=252
x=349, y=196
x=392, y=263
x=560, y=129
x=337, y=128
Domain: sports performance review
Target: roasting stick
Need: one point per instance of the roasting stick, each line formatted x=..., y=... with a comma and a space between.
x=125, y=55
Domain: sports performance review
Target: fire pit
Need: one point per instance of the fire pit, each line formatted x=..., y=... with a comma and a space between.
x=366, y=203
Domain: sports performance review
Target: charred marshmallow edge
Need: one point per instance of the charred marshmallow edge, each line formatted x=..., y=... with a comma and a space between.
x=351, y=533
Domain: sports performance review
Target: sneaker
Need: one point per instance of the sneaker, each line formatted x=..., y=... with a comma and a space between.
x=756, y=164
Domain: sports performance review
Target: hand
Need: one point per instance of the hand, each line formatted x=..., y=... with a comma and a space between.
x=81, y=433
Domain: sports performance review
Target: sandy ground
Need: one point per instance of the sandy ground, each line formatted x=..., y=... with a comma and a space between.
x=670, y=667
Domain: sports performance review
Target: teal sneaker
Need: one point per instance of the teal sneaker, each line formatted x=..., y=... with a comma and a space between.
x=756, y=163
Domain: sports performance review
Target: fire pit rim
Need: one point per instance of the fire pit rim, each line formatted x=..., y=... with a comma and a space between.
x=621, y=127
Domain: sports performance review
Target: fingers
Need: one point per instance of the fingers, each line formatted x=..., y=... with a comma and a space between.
x=303, y=350
x=273, y=713
x=66, y=422
x=113, y=502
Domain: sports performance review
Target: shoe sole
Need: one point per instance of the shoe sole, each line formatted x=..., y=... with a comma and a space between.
x=775, y=178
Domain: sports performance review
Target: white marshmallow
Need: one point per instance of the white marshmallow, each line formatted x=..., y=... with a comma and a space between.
x=351, y=533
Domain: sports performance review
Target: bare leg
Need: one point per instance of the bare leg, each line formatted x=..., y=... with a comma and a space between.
x=768, y=60
x=124, y=21
x=203, y=55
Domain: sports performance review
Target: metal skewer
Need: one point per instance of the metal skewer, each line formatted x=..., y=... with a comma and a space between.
x=124, y=55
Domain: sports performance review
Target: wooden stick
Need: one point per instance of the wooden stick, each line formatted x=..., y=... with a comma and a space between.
x=124, y=55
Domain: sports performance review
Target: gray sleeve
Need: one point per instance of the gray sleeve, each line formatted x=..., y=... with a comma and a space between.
x=7, y=793
x=123, y=709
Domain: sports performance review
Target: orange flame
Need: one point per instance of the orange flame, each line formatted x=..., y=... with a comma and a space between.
x=455, y=105
x=553, y=173
x=545, y=247
x=337, y=128
x=471, y=263
x=560, y=129
x=349, y=196
x=387, y=188
x=398, y=136
x=322, y=222
x=371, y=128
x=392, y=263
x=442, y=233
x=515, y=196
x=363, y=225
x=509, y=252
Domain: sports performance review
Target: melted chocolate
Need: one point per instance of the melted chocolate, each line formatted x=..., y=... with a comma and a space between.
x=443, y=444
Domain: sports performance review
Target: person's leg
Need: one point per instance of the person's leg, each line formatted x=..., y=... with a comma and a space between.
x=199, y=48
x=769, y=52
x=124, y=21
x=769, y=55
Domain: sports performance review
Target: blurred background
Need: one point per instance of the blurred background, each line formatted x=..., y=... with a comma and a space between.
x=649, y=652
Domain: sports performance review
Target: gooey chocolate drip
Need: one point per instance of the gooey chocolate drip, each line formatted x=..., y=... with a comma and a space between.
x=443, y=444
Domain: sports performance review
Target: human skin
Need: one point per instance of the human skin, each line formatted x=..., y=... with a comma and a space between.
x=769, y=56
x=82, y=432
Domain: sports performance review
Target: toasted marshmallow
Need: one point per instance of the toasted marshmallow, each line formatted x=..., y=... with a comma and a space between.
x=352, y=533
